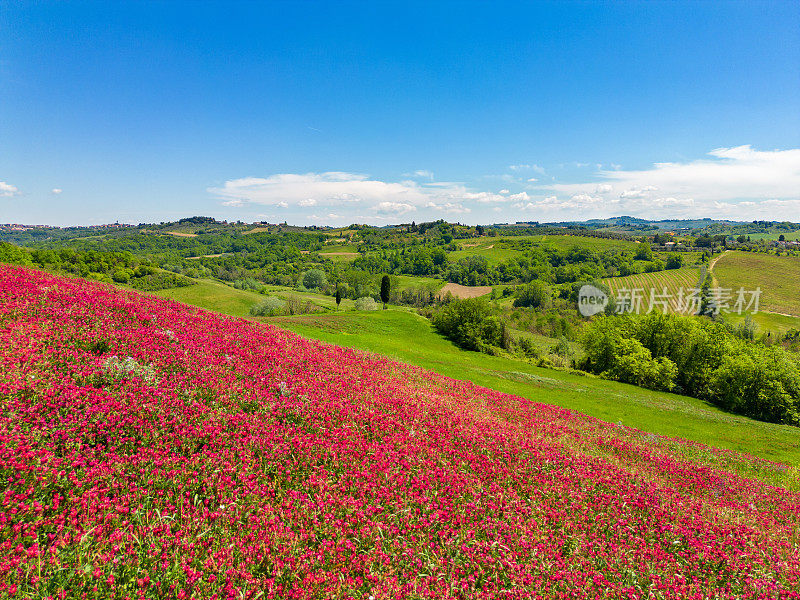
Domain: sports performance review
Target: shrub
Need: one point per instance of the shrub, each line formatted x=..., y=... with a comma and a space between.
x=470, y=325
x=643, y=252
x=634, y=364
x=296, y=306
x=761, y=383
x=366, y=303
x=536, y=295
x=159, y=280
x=269, y=307
x=248, y=283
x=674, y=261
x=121, y=276
x=314, y=279
x=526, y=347
x=562, y=348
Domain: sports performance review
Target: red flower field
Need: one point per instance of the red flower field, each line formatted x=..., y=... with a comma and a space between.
x=153, y=450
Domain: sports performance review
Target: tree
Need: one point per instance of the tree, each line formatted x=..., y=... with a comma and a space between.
x=644, y=252
x=781, y=238
x=536, y=294
x=479, y=229
x=470, y=324
x=674, y=261
x=338, y=295
x=385, y=288
x=314, y=278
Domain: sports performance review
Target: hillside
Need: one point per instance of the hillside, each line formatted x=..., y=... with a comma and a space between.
x=409, y=338
x=673, y=280
x=777, y=276
x=151, y=449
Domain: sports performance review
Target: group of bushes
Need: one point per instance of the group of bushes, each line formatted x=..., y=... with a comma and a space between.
x=272, y=306
x=471, y=324
x=698, y=357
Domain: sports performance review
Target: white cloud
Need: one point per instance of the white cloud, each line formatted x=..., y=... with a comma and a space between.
x=332, y=188
x=643, y=192
x=394, y=208
x=483, y=197
x=532, y=179
x=449, y=207
x=7, y=190
x=718, y=187
x=736, y=183
x=520, y=197
x=56, y=191
x=353, y=194
x=424, y=173
x=526, y=167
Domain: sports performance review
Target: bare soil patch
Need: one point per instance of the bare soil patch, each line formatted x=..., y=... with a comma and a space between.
x=465, y=291
x=181, y=234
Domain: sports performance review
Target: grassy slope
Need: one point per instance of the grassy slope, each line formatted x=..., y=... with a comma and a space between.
x=409, y=338
x=777, y=276
x=788, y=235
x=495, y=249
x=222, y=298
x=215, y=296
x=411, y=281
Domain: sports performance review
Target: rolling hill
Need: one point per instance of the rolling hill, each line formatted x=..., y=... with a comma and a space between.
x=149, y=446
x=776, y=276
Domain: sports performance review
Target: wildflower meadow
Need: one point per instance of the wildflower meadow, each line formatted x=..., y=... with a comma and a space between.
x=154, y=450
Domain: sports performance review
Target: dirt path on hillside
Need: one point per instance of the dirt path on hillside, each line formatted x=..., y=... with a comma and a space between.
x=713, y=261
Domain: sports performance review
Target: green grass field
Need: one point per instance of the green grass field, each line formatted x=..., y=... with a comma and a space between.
x=215, y=296
x=495, y=249
x=404, y=282
x=767, y=322
x=223, y=298
x=565, y=242
x=339, y=248
x=789, y=235
x=407, y=337
x=545, y=344
x=777, y=276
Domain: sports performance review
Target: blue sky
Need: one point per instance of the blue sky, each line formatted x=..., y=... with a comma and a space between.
x=378, y=112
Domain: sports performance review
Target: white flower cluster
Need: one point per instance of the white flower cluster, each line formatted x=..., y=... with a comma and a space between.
x=128, y=367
